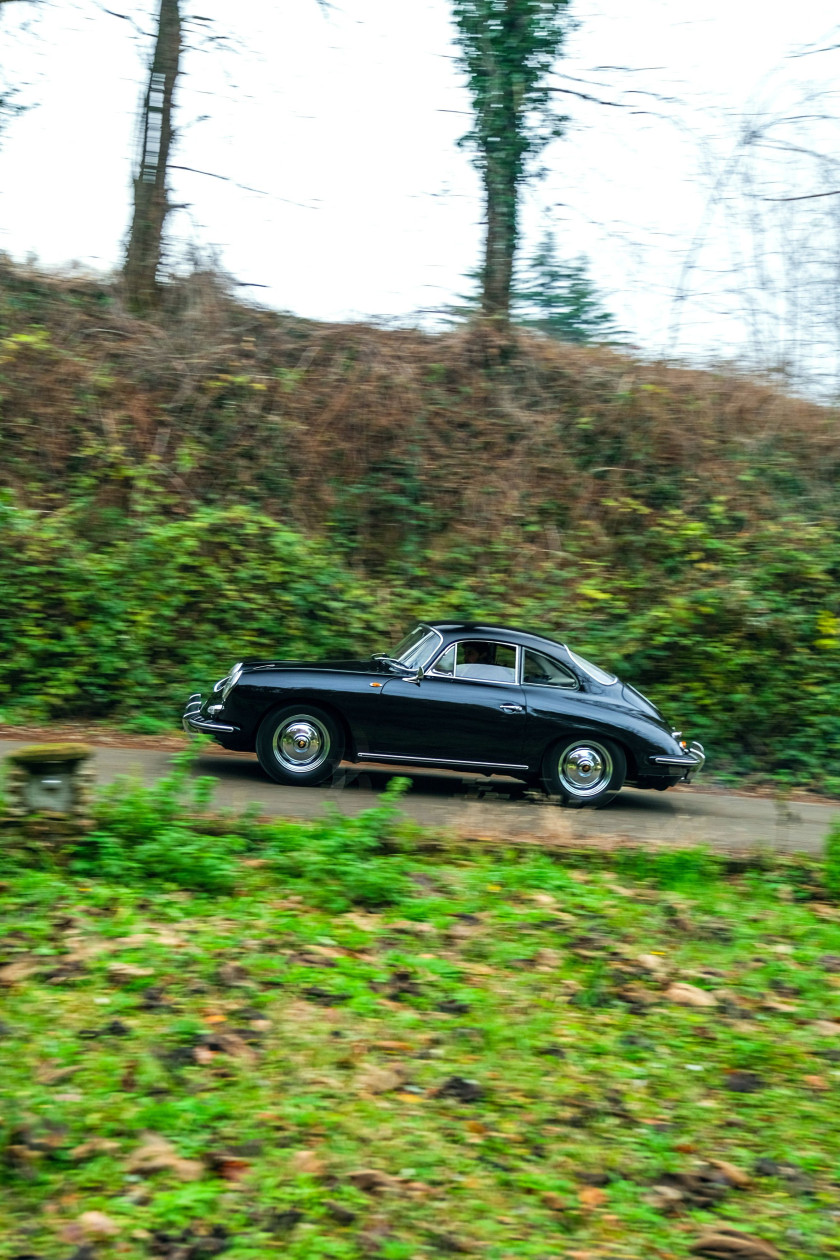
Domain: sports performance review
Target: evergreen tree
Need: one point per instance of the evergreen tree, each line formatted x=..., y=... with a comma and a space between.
x=561, y=300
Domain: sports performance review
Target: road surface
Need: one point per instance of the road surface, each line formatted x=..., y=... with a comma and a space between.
x=473, y=807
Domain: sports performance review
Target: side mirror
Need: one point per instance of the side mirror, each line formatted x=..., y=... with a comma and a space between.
x=419, y=676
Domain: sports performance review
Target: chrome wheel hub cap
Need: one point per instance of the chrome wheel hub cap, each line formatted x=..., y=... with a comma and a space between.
x=585, y=769
x=301, y=744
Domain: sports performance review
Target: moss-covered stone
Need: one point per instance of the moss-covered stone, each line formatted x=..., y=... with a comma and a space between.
x=50, y=754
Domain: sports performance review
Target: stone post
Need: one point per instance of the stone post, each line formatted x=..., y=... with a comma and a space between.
x=48, y=791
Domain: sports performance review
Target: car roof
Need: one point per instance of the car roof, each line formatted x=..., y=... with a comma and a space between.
x=485, y=631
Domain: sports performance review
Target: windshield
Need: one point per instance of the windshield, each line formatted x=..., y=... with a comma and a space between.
x=600, y=675
x=417, y=647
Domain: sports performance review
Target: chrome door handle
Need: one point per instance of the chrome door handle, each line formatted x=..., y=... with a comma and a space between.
x=511, y=708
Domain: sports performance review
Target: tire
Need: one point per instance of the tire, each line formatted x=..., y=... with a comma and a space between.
x=584, y=772
x=300, y=744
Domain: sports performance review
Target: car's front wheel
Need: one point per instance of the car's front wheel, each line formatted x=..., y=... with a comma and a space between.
x=584, y=772
x=300, y=744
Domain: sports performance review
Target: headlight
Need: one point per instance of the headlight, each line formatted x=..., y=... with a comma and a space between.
x=231, y=680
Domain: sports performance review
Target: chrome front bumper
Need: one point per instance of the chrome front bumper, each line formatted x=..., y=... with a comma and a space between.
x=693, y=761
x=194, y=724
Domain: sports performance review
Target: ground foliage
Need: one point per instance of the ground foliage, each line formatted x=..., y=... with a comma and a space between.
x=227, y=482
x=490, y=1052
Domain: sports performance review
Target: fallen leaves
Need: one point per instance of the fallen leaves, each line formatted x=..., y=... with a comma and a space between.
x=731, y=1173
x=554, y=1202
x=308, y=1163
x=94, y=1227
x=391, y=1046
x=229, y=1043
x=685, y=994
x=371, y=1180
x=816, y=1082
x=744, y=1082
x=653, y=963
x=702, y=1187
x=157, y=1154
x=17, y=972
x=379, y=1080
x=29, y=1143
x=826, y=1027
x=723, y=1243
x=232, y=974
x=120, y=971
x=592, y=1197
x=228, y=1166
x=485, y=1106
x=338, y=1212
x=94, y=1146
x=461, y=1089
x=49, y=1074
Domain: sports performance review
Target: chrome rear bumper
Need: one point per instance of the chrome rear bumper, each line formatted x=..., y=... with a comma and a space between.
x=194, y=724
x=693, y=761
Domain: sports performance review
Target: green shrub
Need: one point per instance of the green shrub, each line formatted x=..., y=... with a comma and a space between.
x=142, y=833
x=736, y=638
x=669, y=868
x=831, y=859
x=164, y=609
x=340, y=861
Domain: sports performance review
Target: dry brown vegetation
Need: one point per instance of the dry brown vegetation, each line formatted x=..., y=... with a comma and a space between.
x=382, y=431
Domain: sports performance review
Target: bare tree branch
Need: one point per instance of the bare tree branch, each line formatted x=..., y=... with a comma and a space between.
x=835, y=192
x=225, y=178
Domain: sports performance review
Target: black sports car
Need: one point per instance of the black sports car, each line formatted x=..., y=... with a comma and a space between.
x=456, y=695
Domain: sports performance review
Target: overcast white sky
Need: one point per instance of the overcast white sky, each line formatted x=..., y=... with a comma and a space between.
x=347, y=123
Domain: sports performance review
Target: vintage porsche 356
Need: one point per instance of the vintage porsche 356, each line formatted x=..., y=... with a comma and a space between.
x=458, y=695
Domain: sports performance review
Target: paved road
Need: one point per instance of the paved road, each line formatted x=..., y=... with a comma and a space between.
x=472, y=806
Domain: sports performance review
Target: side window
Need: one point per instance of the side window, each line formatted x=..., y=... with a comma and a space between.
x=485, y=661
x=445, y=663
x=545, y=672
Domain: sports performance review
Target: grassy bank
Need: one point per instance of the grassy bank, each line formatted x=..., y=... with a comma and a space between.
x=334, y=1046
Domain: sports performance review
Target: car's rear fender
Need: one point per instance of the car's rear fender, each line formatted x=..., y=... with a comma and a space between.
x=564, y=737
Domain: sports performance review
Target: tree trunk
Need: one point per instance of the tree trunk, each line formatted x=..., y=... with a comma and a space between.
x=151, y=200
x=504, y=152
x=500, y=243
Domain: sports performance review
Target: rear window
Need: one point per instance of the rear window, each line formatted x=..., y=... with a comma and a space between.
x=600, y=675
x=542, y=671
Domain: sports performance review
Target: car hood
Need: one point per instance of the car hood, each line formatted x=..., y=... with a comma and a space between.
x=260, y=664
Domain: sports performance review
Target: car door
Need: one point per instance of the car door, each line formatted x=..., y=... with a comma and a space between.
x=469, y=712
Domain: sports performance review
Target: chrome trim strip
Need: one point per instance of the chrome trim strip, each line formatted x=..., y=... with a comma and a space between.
x=437, y=761
x=676, y=761
x=193, y=723
x=694, y=759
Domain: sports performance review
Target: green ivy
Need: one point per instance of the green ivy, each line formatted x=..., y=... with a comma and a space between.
x=733, y=634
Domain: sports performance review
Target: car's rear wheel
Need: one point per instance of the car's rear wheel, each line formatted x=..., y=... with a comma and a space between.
x=300, y=744
x=584, y=772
